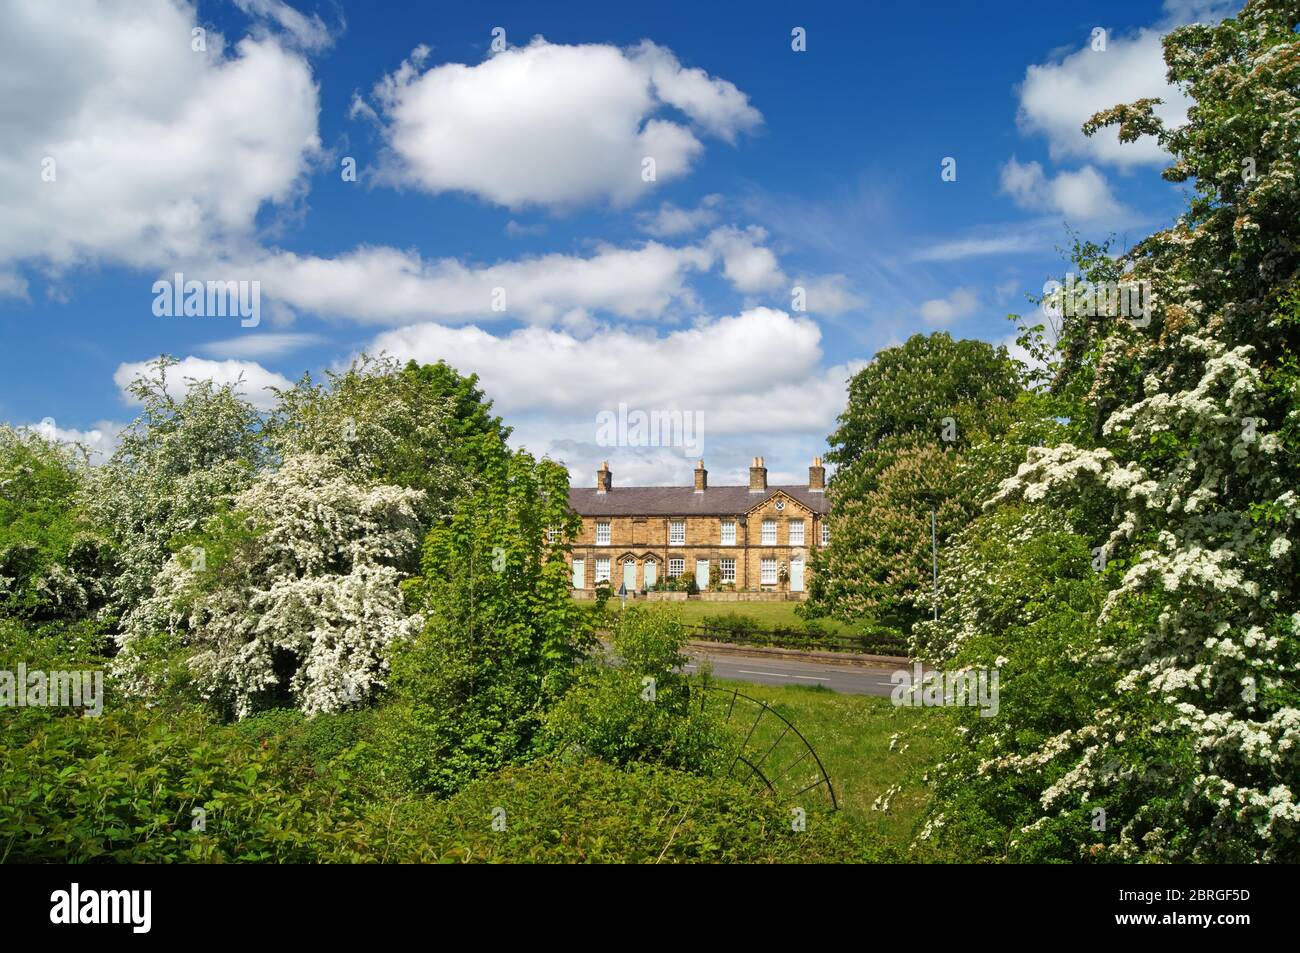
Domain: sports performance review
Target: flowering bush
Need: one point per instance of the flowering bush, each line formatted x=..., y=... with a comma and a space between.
x=295, y=593
x=1192, y=750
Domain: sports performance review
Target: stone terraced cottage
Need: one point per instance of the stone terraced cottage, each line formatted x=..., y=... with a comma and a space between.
x=747, y=539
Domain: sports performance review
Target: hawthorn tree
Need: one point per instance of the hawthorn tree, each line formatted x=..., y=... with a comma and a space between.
x=1192, y=749
x=176, y=466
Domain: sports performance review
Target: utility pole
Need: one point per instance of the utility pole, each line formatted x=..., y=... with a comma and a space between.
x=934, y=560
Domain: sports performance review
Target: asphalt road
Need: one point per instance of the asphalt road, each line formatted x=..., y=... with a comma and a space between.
x=771, y=670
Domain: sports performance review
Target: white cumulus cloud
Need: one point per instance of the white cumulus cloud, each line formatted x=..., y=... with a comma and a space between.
x=123, y=144
x=755, y=379
x=551, y=124
x=1079, y=195
x=1057, y=97
x=940, y=312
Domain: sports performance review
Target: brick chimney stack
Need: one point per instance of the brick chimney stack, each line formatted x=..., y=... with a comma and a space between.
x=701, y=478
x=758, y=476
x=604, y=479
x=816, y=476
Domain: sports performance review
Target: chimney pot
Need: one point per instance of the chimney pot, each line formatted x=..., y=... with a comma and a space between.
x=604, y=478
x=701, y=478
x=758, y=477
x=816, y=476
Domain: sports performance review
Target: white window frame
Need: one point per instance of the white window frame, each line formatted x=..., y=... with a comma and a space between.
x=602, y=533
x=727, y=568
x=796, y=532
x=767, y=572
x=677, y=532
x=769, y=533
x=826, y=533
x=676, y=567
x=602, y=569
x=728, y=533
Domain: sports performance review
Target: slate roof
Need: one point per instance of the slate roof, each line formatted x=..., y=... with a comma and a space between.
x=684, y=501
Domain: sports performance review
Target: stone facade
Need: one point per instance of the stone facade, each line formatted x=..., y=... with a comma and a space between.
x=754, y=538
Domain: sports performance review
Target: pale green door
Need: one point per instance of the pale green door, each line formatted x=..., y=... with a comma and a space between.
x=579, y=574
x=651, y=573
x=629, y=575
x=702, y=574
x=796, y=575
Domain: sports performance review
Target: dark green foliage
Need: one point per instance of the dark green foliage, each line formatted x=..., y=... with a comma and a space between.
x=639, y=708
x=906, y=391
x=907, y=441
x=503, y=635
x=591, y=812
x=124, y=787
x=479, y=437
x=51, y=566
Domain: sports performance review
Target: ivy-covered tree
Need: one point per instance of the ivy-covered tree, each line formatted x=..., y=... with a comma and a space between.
x=503, y=635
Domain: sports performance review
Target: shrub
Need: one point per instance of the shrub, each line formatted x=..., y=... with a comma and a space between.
x=592, y=812
x=638, y=709
x=124, y=787
x=503, y=633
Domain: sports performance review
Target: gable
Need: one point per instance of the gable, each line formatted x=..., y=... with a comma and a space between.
x=791, y=504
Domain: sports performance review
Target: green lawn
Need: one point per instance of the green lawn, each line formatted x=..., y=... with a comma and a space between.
x=851, y=735
x=766, y=615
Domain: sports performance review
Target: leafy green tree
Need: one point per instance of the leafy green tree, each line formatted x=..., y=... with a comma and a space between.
x=51, y=567
x=479, y=437
x=503, y=635
x=902, y=445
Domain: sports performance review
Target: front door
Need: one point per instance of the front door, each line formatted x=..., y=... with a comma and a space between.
x=629, y=575
x=702, y=574
x=579, y=574
x=796, y=575
x=651, y=573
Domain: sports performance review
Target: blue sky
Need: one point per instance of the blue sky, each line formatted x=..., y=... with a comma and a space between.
x=521, y=169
